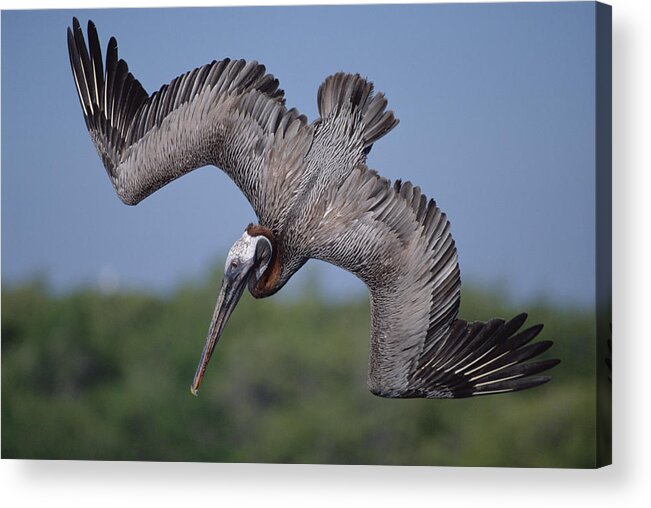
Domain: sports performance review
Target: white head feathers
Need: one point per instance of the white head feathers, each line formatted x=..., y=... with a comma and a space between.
x=245, y=251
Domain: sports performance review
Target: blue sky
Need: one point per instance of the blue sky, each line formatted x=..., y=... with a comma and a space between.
x=496, y=103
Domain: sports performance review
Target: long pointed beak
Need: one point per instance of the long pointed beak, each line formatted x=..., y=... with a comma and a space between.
x=230, y=293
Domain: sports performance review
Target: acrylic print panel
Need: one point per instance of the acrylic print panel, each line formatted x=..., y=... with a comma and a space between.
x=105, y=307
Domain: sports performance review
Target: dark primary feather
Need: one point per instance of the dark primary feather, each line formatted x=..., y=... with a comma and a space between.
x=309, y=184
x=481, y=358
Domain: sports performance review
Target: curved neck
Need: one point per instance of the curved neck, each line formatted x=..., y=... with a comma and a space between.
x=267, y=283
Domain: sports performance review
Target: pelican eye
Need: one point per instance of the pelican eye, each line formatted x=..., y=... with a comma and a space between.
x=234, y=264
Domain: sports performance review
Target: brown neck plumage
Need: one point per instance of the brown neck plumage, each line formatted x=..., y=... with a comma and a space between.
x=270, y=277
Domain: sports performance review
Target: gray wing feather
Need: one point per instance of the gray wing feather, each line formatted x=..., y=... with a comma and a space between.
x=352, y=118
x=399, y=244
x=228, y=113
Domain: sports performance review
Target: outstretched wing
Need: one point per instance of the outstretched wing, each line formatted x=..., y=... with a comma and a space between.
x=400, y=245
x=229, y=113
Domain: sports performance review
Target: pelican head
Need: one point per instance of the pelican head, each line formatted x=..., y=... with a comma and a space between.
x=246, y=262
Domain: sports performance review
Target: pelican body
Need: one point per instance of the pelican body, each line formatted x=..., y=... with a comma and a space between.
x=315, y=198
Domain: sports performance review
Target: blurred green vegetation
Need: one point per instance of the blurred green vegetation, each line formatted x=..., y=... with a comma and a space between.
x=87, y=375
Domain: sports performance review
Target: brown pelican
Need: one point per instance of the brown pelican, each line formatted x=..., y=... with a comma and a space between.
x=315, y=198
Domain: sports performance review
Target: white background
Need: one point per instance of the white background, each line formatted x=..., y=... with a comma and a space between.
x=626, y=483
